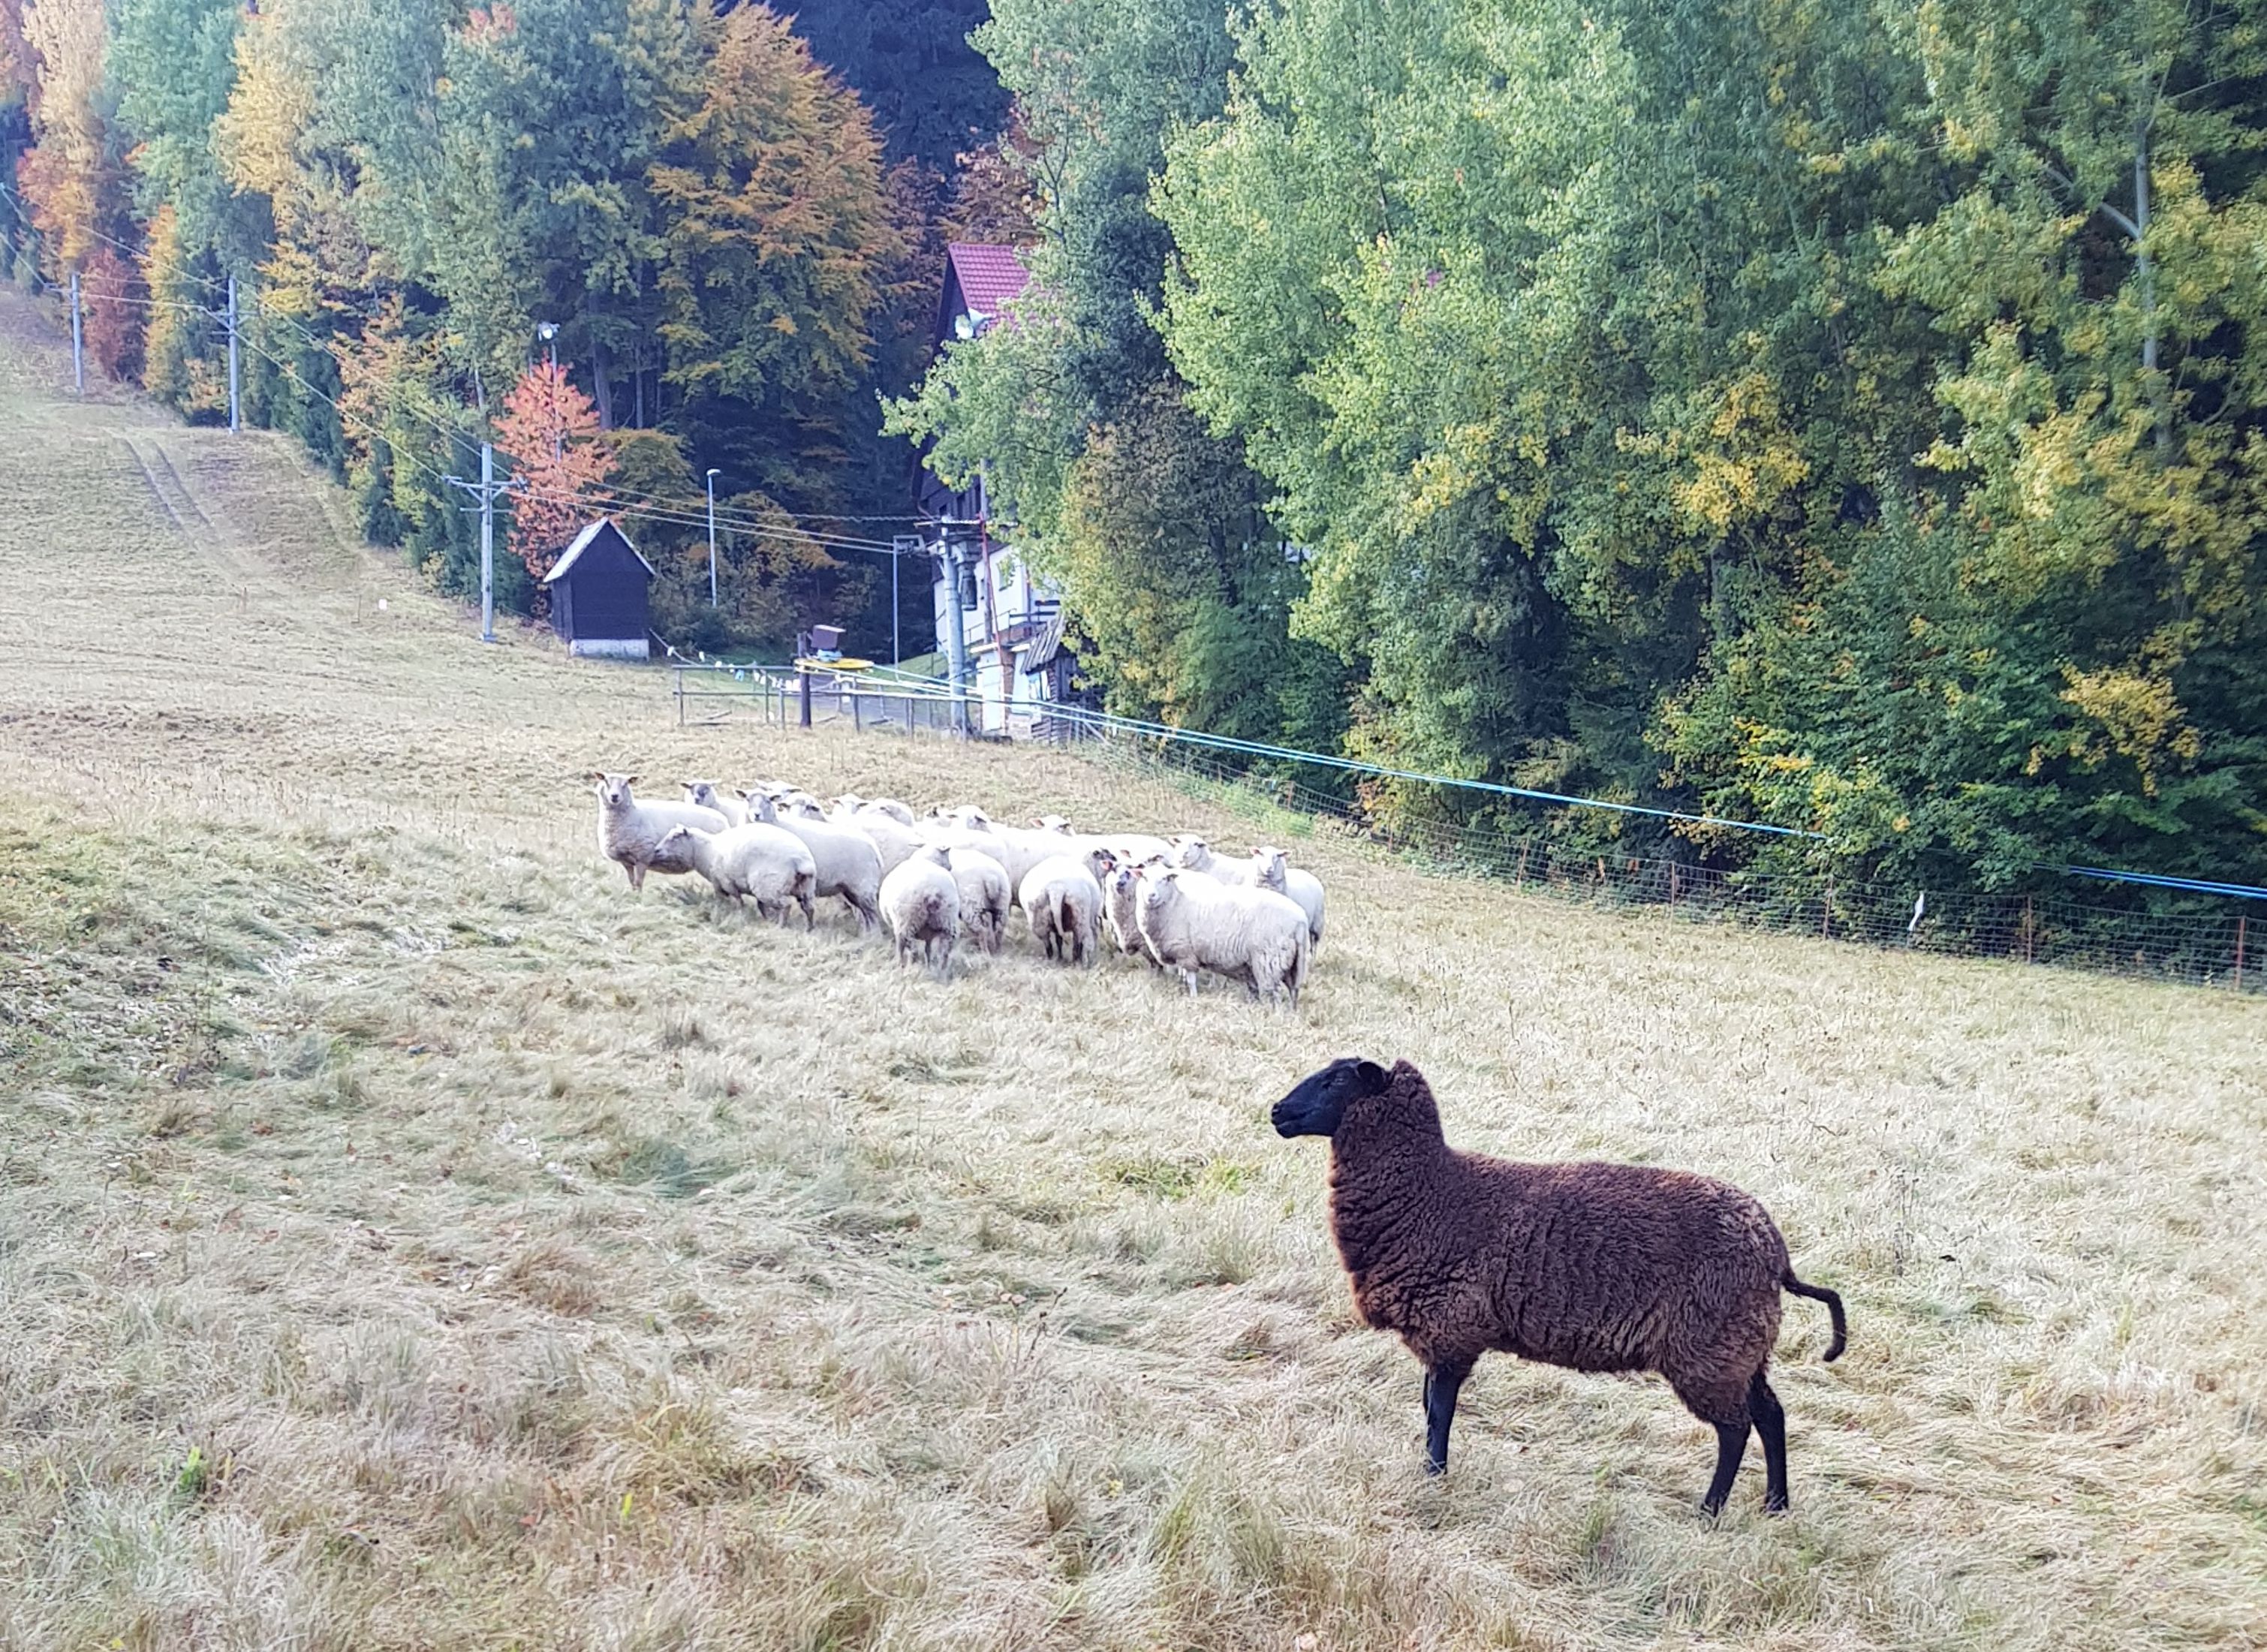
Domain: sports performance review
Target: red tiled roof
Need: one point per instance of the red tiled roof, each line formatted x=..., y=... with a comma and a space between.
x=990, y=277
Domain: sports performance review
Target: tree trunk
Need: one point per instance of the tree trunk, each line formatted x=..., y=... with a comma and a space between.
x=600, y=392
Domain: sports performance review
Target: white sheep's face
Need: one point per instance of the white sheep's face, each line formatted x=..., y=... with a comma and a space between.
x=1270, y=865
x=1052, y=823
x=1189, y=851
x=614, y=789
x=1160, y=892
x=705, y=793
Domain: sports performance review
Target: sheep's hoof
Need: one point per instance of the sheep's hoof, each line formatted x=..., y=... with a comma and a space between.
x=1434, y=1470
x=1708, y=1511
x=1774, y=1505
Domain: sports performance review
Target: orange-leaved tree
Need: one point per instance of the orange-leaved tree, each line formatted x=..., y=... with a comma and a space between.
x=115, y=304
x=549, y=433
x=63, y=174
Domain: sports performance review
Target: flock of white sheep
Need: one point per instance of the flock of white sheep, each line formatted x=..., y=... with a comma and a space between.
x=933, y=877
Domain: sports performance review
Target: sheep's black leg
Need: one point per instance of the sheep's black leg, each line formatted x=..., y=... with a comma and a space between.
x=1442, y=1383
x=1771, y=1426
x=1731, y=1446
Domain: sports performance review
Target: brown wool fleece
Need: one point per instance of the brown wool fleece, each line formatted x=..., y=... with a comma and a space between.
x=1600, y=1268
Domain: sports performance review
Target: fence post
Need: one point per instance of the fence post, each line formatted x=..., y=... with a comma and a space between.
x=804, y=675
x=2028, y=931
x=857, y=723
x=2239, y=951
x=678, y=672
x=1826, y=911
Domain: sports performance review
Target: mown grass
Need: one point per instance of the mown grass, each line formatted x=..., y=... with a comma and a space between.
x=409, y=1238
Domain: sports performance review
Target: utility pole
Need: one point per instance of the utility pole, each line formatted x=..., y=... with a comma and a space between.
x=712, y=536
x=486, y=491
x=549, y=331
x=78, y=350
x=901, y=546
x=956, y=628
x=235, y=399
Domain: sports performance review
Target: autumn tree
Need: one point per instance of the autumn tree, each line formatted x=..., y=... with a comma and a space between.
x=777, y=239
x=65, y=176
x=548, y=433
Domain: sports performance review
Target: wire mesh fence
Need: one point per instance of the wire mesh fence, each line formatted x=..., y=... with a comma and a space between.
x=2207, y=941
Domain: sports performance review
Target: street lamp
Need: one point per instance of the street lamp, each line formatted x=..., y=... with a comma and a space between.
x=712, y=537
x=549, y=331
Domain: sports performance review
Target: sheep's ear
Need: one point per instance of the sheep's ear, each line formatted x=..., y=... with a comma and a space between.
x=630, y=780
x=1374, y=1077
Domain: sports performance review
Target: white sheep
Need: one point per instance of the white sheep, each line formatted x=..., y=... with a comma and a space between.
x=1124, y=847
x=1063, y=905
x=707, y=794
x=893, y=840
x=848, y=863
x=902, y=813
x=1194, y=853
x=1271, y=869
x=1254, y=936
x=755, y=862
x=1015, y=847
x=1121, y=908
x=984, y=895
x=630, y=832
x=922, y=903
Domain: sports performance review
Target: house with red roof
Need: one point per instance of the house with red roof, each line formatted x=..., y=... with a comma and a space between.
x=1011, y=628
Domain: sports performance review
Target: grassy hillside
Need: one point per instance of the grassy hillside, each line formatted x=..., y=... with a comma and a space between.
x=409, y=1238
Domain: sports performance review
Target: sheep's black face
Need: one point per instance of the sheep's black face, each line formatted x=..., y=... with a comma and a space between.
x=1318, y=1101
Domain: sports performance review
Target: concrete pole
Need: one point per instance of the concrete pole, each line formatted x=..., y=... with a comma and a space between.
x=712, y=539
x=78, y=349
x=488, y=543
x=235, y=399
x=956, y=631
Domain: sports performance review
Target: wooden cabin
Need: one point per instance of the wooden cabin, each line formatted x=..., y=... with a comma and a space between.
x=599, y=590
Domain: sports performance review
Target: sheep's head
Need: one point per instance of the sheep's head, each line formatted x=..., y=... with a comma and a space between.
x=1051, y=822
x=1189, y=850
x=1317, y=1103
x=760, y=807
x=614, y=789
x=1270, y=867
x=680, y=835
x=808, y=808
x=1160, y=889
x=706, y=793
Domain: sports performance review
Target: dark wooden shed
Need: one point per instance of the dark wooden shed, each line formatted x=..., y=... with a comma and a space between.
x=598, y=594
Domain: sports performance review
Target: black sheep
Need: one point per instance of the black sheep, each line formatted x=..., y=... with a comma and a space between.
x=1597, y=1267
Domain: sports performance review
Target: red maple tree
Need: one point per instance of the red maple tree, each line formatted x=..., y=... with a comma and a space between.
x=549, y=434
x=114, y=294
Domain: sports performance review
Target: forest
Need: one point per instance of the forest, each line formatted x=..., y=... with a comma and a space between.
x=1838, y=415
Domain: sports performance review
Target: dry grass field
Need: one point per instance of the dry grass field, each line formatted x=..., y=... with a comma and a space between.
x=410, y=1239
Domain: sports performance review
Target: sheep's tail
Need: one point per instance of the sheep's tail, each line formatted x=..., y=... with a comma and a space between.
x=1833, y=1301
